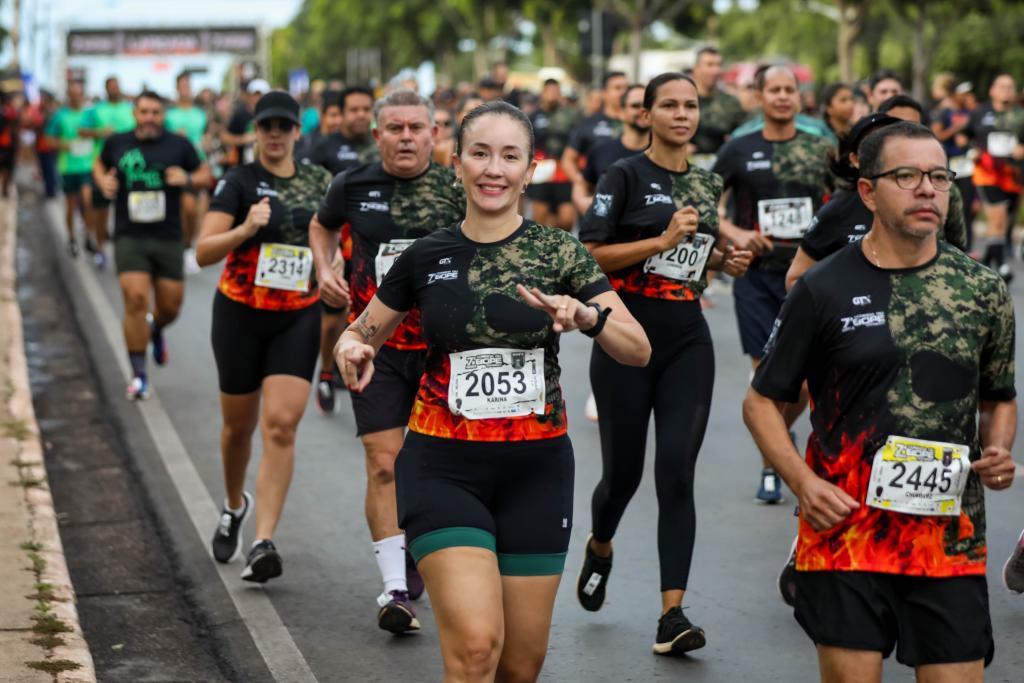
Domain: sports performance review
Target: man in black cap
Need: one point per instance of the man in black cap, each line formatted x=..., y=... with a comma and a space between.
x=144, y=171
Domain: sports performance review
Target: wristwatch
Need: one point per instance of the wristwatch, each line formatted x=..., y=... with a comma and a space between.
x=602, y=318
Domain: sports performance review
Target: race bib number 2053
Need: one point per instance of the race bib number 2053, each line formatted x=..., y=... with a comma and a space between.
x=489, y=383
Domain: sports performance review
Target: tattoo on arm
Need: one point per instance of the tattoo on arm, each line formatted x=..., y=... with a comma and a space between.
x=366, y=327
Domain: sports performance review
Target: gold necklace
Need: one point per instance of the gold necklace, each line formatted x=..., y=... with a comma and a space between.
x=874, y=253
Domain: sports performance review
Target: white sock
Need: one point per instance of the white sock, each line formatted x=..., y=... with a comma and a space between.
x=235, y=512
x=390, y=554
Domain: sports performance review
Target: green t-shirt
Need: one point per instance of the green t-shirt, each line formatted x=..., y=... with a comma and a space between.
x=190, y=122
x=310, y=120
x=64, y=126
x=117, y=116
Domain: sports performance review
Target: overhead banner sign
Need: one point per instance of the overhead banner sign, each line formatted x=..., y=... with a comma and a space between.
x=163, y=41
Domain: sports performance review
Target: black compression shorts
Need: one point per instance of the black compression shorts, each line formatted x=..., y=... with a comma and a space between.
x=512, y=498
x=250, y=344
x=552, y=194
x=928, y=620
x=387, y=400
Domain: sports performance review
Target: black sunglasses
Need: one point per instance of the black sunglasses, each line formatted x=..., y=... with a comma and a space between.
x=270, y=125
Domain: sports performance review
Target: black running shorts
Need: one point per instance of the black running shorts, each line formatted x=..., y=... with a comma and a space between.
x=552, y=194
x=162, y=259
x=250, y=344
x=513, y=498
x=387, y=400
x=928, y=620
x=758, y=297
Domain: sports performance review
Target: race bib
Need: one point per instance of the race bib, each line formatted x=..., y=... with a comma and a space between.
x=786, y=218
x=81, y=147
x=684, y=262
x=149, y=206
x=284, y=266
x=387, y=254
x=703, y=161
x=488, y=383
x=919, y=477
x=1000, y=144
x=962, y=166
x=545, y=171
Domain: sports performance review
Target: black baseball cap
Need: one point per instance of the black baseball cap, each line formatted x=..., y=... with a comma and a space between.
x=277, y=104
x=866, y=125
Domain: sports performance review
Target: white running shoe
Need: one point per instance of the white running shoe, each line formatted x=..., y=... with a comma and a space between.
x=191, y=265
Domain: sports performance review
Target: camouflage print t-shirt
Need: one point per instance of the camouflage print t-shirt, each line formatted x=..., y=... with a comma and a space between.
x=385, y=214
x=467, y=294
x=905, y=353
x=635, y=200
x=720, y=115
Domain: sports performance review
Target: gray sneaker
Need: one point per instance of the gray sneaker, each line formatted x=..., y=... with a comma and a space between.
x=1013, y=570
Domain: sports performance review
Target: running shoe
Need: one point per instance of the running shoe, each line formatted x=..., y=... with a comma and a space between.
x=263, y=563
x=770, y=491
x=73, y=249
x=191, y=264
x=137, y=390
x=227, y=539
x=590, y=408
x=396, y=614
x=99, y=260
x=1013, y=570
x=325, y=394
x=676, y=635
x=159, y=345
x=787, y=579
x=413, y=579
x=593, y=578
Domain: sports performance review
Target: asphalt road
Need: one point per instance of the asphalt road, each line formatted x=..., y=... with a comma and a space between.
x=325, y=600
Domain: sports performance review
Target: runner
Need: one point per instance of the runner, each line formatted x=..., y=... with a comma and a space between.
x=388, y=204
x=636, y=135
x=188, y=120
x=550, y=193
x=485, y=478
x=444, y=146
x=653, y=228
x=951, y=124
x=238, y=135
x=74, y=161
x=265, y=324
x=883, y=85
x=103, y=119
x=144, y=172
x=778, y=177
x=603, y=125
x=837, y=108
x=720, y=112
x=998, y=132
x=907, y=345
x=844, y=219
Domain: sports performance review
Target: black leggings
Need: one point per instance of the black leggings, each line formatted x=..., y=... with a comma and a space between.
x=677, y=386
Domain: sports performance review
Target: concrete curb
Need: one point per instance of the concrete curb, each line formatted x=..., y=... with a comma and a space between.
x=42, y=519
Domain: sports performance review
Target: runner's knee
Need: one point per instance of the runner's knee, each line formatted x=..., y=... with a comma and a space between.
x=476, y=654
x=279, y=430
x=380, y=465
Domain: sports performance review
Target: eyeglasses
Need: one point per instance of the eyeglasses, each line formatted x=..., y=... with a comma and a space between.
x=270, y=125
x=909, y=178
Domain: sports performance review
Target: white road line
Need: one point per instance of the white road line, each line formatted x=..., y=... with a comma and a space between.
x=282, y=655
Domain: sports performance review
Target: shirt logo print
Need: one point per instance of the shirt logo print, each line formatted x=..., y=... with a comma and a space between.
x=861, y=300
x=602, y=204
x=441, y=276
x=853, y=322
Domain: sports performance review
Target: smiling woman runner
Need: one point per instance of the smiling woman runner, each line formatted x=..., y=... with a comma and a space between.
x=485, y=478
x=266, y=326
x=653, y=227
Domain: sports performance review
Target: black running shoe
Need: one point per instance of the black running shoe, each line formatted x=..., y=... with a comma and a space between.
x=787, y=579
x=263, y=563
x=396, y=614
x=593, y=578
x=227, y=540
x=325, y=394
x=676, y=635
x=413, y=579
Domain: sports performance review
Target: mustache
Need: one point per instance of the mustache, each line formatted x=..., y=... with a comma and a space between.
x=918, y=207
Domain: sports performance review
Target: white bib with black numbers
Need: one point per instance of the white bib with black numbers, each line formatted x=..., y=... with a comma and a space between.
x=149, y=206
x=684, y=262
x=489, y=383
x=284, y=266
x=81, y=147
x=1000, y=144
x=962, y=165
x=387, y=254
x=545, y=171
x=919, y=477
x=787, y=218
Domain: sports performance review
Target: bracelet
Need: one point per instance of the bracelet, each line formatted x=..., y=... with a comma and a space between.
x=602, y=318
x=188, y=180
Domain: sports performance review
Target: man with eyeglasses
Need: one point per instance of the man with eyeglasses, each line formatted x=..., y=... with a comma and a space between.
x=907, y=346
x=143, y=172
x=550, y=191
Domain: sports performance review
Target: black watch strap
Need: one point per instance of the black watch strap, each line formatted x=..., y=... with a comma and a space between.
x=602, y=318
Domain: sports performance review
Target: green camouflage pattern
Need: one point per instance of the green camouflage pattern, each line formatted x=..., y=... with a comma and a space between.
x=963, y=311
x=1010, y=120
x=719, y=116
x=368, y=151
x=435, y=200
x=803, y=164
x=954, y=230
x=804, y=124
x=561, y=121
x=547, y=258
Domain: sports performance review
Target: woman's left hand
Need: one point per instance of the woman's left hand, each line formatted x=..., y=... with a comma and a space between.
x=568, y=313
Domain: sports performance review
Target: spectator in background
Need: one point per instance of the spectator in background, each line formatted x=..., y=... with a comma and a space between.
x=46, y=148
x=837, y=108
x=313, y=105
x=883, y=85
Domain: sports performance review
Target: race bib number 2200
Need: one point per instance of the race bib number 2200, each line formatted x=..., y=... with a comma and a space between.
x=489, y=383
x=919, y=477
x=684, y=262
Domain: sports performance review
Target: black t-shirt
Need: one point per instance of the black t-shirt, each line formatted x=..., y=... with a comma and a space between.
x=784, y=182
x=240, y=123
x=635, y=200
x=145, y=205
x=603, y=156
x=382, y=209
x=337, y=153
x=466, y=292
x=592, y=130
x=906, y=353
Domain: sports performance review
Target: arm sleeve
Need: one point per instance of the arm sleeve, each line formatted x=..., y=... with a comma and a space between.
x=785, y=359
x=997, y=355
x=331, y=213
x=398, y=289
x=229, y=195
x=601, y=220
